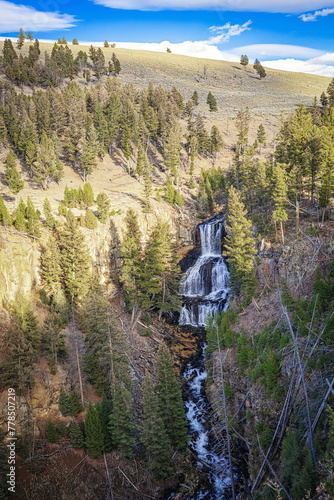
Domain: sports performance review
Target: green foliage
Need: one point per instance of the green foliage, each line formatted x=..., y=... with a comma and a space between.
x=93, y=432
x=211, y=101
x=64, y=404
x=62, y=429
x=104, y=410
x=49, y=218
x=12, y=175
x=170, y=400
x=121, y=426
x=76, y=405
x=5, y=217
x=244, y=60
x=75, y=259
x=211, y=189
x=298, y=473
x=154, y=435
x=90, y=220
x=51, y=432
x=239, y=244
x=51, y=275
x=103, y=207
x=75, y=435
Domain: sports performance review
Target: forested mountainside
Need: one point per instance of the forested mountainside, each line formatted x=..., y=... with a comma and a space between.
x=103, y=185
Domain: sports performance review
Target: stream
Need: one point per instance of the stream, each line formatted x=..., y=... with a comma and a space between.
x=205, y=292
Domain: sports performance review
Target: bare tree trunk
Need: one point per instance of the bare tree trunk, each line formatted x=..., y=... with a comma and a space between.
x=282, y=232
x=108, y=475
x=79, y=373
x=297, y=216
x=226, y=422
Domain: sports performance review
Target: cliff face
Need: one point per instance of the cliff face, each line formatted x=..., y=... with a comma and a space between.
x=20, y=254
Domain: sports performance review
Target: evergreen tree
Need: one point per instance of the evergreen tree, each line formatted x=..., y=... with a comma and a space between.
x=170, y=400
x=12, y=175
x=21, y=39
x=103, y=207
x=5, y=217
x=64, y=42
x=75, y=403
x=194, y=98
x=53, y=340
x=32, y=216
x=93, y=432
x=261, y=135
x=51, y=431
x=172, y=150
x=75, y=259
x=259, y=69
x=244, y=60
x=16, y=369
x=211, y=101
x=75, y=41
x=20, y=222
x=48, y=167
x=88, y=195
x=104, y=410
x=239, y=244
x=330, y=93
x=121, y=426
x=106, y=44
x=30, y=37
x=27, y=321
x=217, y=142
x=147, y=176
x=154, y=435
x=90, y=220
x=64, y=404
x=324, y=100
x=49, y=218
x=75, y=435
x=51, y=266
x=279, y=196
x=140, y=161
x=89, y=152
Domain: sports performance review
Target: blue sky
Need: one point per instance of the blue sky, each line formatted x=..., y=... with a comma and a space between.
x=288, y=34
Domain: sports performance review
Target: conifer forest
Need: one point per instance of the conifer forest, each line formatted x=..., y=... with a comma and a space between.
x=166, y=278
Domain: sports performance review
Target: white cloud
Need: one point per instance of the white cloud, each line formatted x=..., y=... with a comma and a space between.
x=13, y=17
x=313, y=17
x=225, y=32
x=299, y=66
x=282, y=6
x=267, y=50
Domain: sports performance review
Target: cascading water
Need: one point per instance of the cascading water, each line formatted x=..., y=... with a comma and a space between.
x=205, y=287
x=205, y=292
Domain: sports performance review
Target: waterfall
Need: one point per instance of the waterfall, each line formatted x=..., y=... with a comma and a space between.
x=205, y=292
x=205, y=288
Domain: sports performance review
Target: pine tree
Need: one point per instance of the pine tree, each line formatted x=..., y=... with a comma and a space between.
x=75, y=41
x=239, y=244
x=75, y=259
x=194, y=98
x=51, y=266
x=261, y=135
x=147, y=176
x=121, y=426
x=88, y=195
x=49, y=218
x=244, y=60
x=21, y=39
x=75, y=435
x=27, y=321
x=106, y=44
x=90, y=220
x=89, y=152
x=170, y=400
x=20, y=222
x=104, y=410
x=330, y=93
x=131, y=254
x=48, y=167
x=64, y=404
x=172, y=150
x=211, y=101
x=126, y=147
x=139, y=166
x=93, y=432
x=217, y=142
x=154, y=435
x=51, y=432
x=5, y=217
x=32, y=216
x=12, y=176
x=53, y=341
x=324, y=100
x=279, y=196
x=30, y=37
x=76, y=405
x=103, y=207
